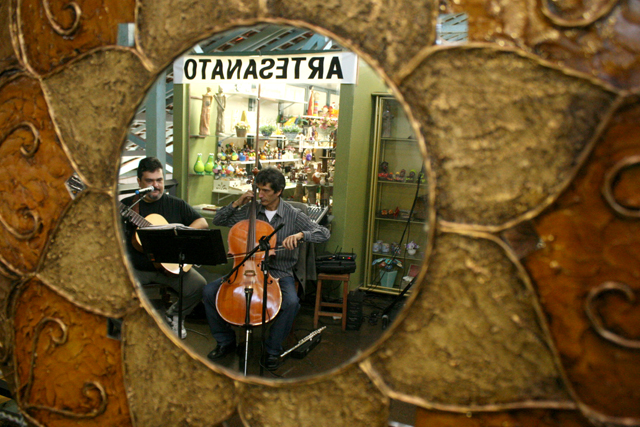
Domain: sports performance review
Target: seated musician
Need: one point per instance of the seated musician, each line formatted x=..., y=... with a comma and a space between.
x=174, y=210
x=297, y=227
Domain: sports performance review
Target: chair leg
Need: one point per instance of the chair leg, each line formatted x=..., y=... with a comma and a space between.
x=318, y=300
x=345, y=293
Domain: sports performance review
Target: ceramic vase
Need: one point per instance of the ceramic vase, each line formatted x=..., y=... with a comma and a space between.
x=199, y=166
x=208, y=167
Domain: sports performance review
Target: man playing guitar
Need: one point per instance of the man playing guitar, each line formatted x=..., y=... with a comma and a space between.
x=173, y=210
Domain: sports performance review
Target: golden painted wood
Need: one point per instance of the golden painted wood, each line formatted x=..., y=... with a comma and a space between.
x=168, y=386
x=387, y=33
x=8, y=58
x=497, y=131
x=86, y=264
x=63, y=360
x=359, y=402
x=87, y=104
x=474, y=338
x=608, y=49
x=163, y=33
x=33, y=169
x=92, y=90
x=518, y=418
x=51, y=33
x=588, y=244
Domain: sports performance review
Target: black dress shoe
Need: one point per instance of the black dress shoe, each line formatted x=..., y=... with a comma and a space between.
x=273, y=362
x=221, y=351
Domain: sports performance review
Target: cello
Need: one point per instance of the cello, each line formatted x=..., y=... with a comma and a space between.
x=240, y=297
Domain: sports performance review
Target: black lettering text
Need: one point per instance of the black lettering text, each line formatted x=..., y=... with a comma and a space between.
x=316, y=69
x=231, y=69
x=296, y=70
x=251, y=70
x=217, y=70
x=282, y=68
x=264, y=71
x=204, y=63
x=190, y=63
x=335, y=68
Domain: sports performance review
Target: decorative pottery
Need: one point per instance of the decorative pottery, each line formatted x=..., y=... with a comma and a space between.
x=199, y=165
x=388, y=278
x=208, y=167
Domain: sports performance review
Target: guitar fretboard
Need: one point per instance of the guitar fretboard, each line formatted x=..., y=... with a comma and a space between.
x=133, y=216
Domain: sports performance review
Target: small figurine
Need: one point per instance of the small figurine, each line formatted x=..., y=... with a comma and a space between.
x=383, y=171
x=412, y=176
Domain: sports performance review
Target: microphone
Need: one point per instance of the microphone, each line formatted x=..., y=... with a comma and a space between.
x=144, y=190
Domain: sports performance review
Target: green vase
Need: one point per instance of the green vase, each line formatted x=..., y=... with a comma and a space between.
x=208, y=167
x=199, y=166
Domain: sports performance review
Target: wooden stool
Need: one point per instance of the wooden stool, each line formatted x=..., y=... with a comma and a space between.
x=344, y=278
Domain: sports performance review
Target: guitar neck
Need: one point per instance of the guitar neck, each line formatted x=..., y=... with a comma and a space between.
x=133, y=216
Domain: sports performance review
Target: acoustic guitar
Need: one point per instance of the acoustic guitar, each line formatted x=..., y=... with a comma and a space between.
x=149, y=220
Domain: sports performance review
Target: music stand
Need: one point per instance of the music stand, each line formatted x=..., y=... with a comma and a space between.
x=182, y=245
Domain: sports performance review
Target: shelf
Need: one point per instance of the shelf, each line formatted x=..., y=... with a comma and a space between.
x=239, y=190
x=400, y=257
x=315, y=147
x=319, y=117
x=381, y=181
x=397, y=151
x=382, y=289
x=414, y=221
x=263, y=98
x=251, y=162
x=389, y=139
x=318, y=185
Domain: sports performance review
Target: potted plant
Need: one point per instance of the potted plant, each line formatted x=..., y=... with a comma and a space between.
x=412, y=247
x=388, y=270
x=241, y=128
x=267, y=130
x=291, y=131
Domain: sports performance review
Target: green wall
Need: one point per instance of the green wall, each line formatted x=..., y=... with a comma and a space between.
x=353, y=154
x=195, y=189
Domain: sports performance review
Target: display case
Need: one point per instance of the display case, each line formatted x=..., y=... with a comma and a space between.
x=396, y=237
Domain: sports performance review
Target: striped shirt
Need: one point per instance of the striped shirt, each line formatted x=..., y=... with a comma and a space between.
x=294, y=220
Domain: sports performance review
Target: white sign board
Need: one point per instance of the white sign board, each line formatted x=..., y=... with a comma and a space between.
x=309, y=68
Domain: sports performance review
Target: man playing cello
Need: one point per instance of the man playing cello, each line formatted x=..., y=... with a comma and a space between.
x=296, y=226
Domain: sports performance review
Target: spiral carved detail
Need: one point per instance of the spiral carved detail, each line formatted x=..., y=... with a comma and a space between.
x=564, y=13
x=30, y=150
x=28, y=234
x=609, y=181
x=58, y=340
x=596, y=320
x=75, y=10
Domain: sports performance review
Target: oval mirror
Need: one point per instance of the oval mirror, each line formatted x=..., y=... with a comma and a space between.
x=298, y=102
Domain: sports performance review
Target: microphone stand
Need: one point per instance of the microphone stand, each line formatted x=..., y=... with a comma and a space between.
x=248, y=292
x=263, y=244
x=125, y=214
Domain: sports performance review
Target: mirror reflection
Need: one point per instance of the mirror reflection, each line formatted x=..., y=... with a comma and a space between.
x=271, y=164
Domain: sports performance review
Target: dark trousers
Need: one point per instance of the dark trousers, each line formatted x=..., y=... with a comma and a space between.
x=192, y=284
x=280, y=326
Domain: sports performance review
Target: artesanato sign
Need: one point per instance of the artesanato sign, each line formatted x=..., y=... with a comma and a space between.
x=336, y=67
